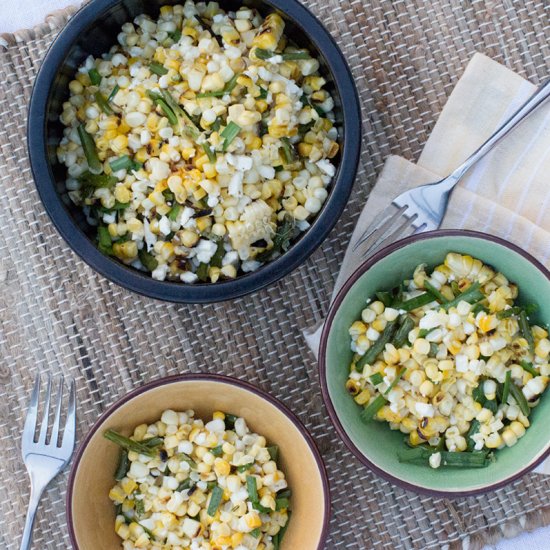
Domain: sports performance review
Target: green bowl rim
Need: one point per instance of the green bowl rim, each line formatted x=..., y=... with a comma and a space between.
x=333, y=415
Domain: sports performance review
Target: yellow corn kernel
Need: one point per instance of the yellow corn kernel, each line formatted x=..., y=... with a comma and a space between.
x=363, y=397
x=252, y=520
x=117, y=494
x=261, y=105
x=128, y=485
x=222, y=467
x=415, y=439
x=113, y=229
x=209, y=170
x=269, y=33
x=236, y=539
x=304, y=149
x=203, y=223
x=141, y=155
x=218, y=415
x=201, y=161
x=353, y=387
x=123, y=194
x=379, y=324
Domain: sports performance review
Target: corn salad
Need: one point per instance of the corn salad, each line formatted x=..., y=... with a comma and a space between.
x=449, y=359
x=201, y=144
x=182, y=484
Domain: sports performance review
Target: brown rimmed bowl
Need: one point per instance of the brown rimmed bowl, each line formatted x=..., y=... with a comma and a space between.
x=90, y=513
x=374, y=444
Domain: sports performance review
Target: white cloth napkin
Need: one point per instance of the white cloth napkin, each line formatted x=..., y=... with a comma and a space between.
x=29, y=13
x=506, y=194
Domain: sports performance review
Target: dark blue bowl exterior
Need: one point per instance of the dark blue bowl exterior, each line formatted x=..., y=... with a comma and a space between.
x=92, y=31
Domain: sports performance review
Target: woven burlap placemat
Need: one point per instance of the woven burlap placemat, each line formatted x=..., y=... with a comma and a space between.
x=57, y=315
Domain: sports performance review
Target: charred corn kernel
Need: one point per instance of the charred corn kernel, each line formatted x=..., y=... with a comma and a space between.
x=353, y=387
x=269, y=33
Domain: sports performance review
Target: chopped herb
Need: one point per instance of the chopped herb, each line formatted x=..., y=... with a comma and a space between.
x=113, y=93
x=105, y=243
x=252, y=489
x=376, y=378
x=421, y=455
x=230, y=420
x=423, y=332
x=265, y=55
x=209, y=153
x=148, y=261
x=217, y=451
x=215, y=501
x=378, y=345
x=273, y=452
x=474, y=428
x=90, y=182
x=90, y=151
x=158, y=69
x=227, y=89
x=526, y=366
x=216, y=260
x=117, y=207
x=516, y=310
x=435, y=292
x=519, y=398
x=139, y=506
x=256, y=532
x=216, y=125
x=95, y=77
x=229, y=133
x=506, y=388
x=385, y=296
x=276, y=540
x=103, y=103
x=395, y=380
x=202, y=272
x=401, y=337
x=434, y=348
x=123, y=465
x=281, y=239
x=287, y=151
x=263, y=93
x=186, y=484
x=368, y=413
x=130, y=444
x=186, y=458
x=281, y=503
x=526, y=330
x=471, y=295
x=124, y=163
x=414, y=303
x=173, y=214
x=176, y=35
x=245, y=467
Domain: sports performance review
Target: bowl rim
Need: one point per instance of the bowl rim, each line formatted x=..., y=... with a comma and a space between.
x=322, y=361
x=209, y=377
x=178, y=292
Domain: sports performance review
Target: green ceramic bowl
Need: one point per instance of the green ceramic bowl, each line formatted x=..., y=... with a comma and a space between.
x=375, y=444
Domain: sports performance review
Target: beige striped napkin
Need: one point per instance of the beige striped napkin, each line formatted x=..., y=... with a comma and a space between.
x=506, y=194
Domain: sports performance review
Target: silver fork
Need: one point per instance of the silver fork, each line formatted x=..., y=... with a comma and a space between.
x=44, y=456
x=423, y=208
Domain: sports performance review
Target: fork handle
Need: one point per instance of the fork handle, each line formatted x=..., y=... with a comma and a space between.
x=526, y=109
x=36, y=493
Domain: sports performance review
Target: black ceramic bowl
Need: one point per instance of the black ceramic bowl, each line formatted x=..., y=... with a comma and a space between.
x=93, y=30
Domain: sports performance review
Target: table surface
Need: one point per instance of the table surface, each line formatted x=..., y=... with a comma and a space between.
x=399, y=142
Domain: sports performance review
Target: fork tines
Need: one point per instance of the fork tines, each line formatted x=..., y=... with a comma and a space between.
x=31, y=422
